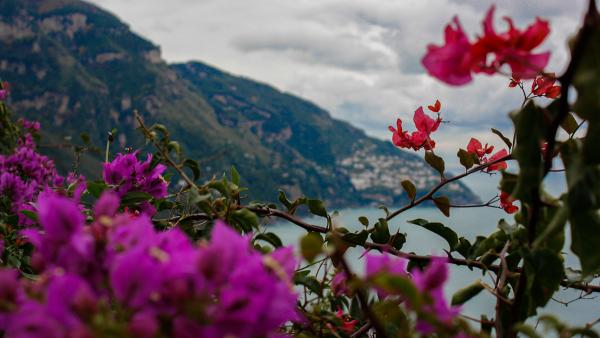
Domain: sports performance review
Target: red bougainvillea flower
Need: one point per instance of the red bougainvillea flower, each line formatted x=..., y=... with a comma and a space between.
x=496, y=166
x=348, y=324
x=515, y=80
x=421, y=137
x=436, y=107
x=544, y=86
x=455, y=61
x=451, y=62
x=506, y=202
x=476, y=148
x=513, y=47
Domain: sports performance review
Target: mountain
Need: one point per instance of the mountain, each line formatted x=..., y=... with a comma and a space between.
x=77, y=68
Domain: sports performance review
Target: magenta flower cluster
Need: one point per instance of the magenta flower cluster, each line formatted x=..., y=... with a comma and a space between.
x=429, y=282
x=127, y=174
x=25, y=173
x=120, y=272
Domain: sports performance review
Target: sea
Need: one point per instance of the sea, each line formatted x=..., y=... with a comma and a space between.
x=467, y=222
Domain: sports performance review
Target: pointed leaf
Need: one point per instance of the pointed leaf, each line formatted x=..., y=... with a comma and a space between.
x=317, y=207
x=463, y=295
x=410, y=189
x=502, y=137
x=443, y=204
x=311, y=245
x=435, y=162
x=441, y=230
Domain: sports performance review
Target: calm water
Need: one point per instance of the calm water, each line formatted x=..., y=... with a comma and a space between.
x=468, y=223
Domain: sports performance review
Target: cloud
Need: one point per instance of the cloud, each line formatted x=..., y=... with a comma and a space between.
x=317, y=46
x=360, y=60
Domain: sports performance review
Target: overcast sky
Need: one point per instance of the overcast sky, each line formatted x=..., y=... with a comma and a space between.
x=360, y=60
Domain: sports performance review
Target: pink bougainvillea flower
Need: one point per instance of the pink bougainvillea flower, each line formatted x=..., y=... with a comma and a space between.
x=476, y=148
x=431, y=282
x=421, y=137
x=455, y=61
x=425, y=123
x=450, y=63
x=544, y=86
x=339, y=284
x=513, y=47
x=506, y=203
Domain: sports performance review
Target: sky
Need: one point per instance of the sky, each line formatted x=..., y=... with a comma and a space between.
x=360, y=60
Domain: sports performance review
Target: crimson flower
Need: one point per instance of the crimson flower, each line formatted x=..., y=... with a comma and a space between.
x=455, y=61
x=475, y=147
x=417, y=139
x=450, y=63
x=544, y=86
x=513, y=47
x=436, y=107
x=499, y=165
x=515, y=80
x=348, y=324
x=506, y=202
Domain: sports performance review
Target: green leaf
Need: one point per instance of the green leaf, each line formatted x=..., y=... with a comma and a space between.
x=317, y=207
x=502, y=137
x=270, y=238
x=398, y=241
x=194, y=167
x=526, y=330
x=364, y=221
x=95, y=188
x=484, y=244
x=410, y=189
x=392, y=317
x=506, y=227
x=174, y=146
x=235, y=176
x=530, y=127
x=435, y=162
x=586, y=79
x=245, y=219
x=356, y=238
x=467, y=159
x=283, y=199
x=463, y=247
x=569, y=124
x=439, y=229
x=463, y=295
x=399, y=285
x=443, y=204
x=583, y=200
x=381, y=232
x=545, y=271
x=32, y=215
x=311, y=283
x=135, y=197
x=311, y=245
x=161, y=128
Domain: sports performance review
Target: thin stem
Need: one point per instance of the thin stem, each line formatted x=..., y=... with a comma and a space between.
x=428, y=195
x=165, y=154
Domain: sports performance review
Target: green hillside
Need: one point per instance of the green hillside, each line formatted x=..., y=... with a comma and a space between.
x=78, y=68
